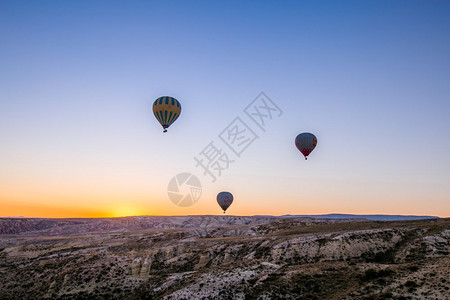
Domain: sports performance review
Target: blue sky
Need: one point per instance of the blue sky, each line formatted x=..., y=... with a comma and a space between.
x=369, y=78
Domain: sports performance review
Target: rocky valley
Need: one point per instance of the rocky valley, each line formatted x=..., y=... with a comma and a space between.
x=224, y=257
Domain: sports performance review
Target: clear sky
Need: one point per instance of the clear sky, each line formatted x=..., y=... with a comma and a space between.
x=371, y=79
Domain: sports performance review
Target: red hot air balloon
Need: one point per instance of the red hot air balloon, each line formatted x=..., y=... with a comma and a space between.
x=306, y=142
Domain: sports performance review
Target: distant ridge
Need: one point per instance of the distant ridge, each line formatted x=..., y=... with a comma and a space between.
x=367, y=217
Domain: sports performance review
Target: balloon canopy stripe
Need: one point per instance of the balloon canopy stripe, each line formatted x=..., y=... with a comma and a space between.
x=158, y=118
x=174, y=117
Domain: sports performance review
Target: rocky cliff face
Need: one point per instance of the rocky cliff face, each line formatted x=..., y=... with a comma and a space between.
x=230, y=258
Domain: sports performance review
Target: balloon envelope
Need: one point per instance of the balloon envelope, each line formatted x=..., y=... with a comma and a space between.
x=306, y=142
x=224, y=199
x=166, y=110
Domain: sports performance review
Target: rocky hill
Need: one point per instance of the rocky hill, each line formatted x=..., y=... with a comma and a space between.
x=222, y=257
x=36, y=226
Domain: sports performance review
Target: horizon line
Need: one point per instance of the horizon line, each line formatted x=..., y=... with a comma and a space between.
x=230, y=215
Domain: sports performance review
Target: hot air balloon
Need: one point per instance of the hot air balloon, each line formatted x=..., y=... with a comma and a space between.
x=306, y=142
x=166, y=110
x=224, y=199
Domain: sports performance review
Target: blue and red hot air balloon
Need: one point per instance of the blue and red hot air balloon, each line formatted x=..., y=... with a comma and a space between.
x=305, y=143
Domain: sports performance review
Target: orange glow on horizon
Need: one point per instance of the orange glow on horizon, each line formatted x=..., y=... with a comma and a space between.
x=83, y=205
x=126, y=211
x=46, y=210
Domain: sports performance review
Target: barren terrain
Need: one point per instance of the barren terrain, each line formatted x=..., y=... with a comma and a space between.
x=224, y=257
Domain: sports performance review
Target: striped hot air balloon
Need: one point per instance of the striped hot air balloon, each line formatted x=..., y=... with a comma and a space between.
x=166, y=110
